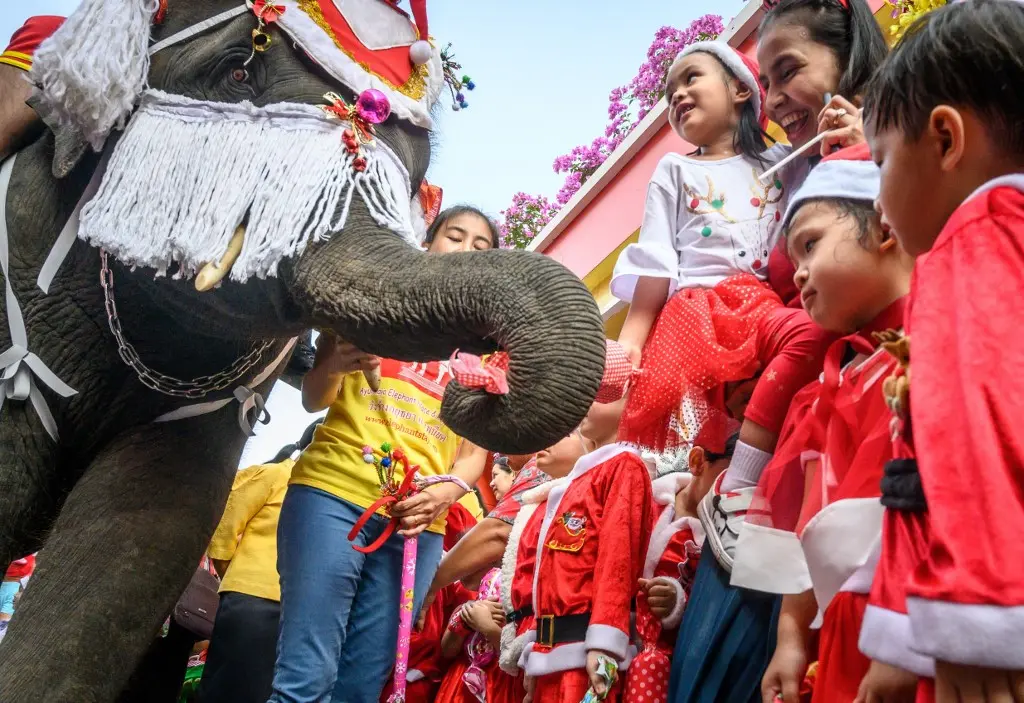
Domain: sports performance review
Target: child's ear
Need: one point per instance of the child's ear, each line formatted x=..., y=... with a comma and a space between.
x=946, y=132
x=741, y=92
x=697, y=460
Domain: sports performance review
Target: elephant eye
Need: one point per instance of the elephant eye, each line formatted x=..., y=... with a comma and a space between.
x=240, y=75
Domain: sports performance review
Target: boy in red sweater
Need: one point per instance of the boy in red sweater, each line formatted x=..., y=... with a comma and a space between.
x=943, y=117
x=591, y=548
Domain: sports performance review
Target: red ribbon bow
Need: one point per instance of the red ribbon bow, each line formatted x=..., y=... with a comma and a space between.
x=406, y=490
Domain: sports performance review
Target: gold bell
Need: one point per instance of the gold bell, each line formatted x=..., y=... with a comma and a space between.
x=260, y=40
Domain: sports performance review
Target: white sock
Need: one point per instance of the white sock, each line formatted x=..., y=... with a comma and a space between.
x=745, y=468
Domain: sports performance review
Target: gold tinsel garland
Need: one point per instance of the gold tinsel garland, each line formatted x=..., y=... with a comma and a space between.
x=905, y=12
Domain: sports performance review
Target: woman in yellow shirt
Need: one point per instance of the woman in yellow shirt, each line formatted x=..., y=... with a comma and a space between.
x=339, y=607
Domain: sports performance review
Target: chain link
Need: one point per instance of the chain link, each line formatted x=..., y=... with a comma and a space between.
x=194, y=389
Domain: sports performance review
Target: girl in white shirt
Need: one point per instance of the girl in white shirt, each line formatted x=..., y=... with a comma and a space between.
x=702, y=313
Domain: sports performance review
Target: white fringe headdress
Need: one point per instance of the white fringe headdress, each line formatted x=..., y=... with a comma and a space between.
x=91, y=71
x=186, y=173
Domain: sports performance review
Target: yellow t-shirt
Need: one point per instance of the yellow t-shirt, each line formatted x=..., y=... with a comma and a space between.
x=403, y=412
x=247, y=533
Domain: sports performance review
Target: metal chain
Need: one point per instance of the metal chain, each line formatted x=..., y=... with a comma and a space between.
x=194, y=389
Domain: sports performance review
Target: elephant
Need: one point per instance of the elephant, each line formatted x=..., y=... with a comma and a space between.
x=125, y=506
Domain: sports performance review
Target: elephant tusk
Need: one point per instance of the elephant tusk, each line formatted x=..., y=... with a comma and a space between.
x=213, y=273
x=373, y=378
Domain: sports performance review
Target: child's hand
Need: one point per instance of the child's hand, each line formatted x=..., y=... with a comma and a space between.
x=529, y=683
x=958, y=683
x=633, y=353
x=597, y=681
x=785, y=673
x=661, y=598
x=887, y=684
x=482, y=614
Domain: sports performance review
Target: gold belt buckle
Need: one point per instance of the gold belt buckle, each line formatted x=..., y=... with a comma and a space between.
x=546, y=630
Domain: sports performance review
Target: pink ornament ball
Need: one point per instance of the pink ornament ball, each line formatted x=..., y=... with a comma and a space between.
x=420, y=52
x=373, y=106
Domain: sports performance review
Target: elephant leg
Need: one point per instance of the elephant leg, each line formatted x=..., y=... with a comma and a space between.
x=128, y=538
x=30, y=493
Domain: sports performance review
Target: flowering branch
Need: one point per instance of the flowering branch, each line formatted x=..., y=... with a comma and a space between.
x=627, y=106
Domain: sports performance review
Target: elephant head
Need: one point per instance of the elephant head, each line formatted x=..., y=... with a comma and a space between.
x=363, y=280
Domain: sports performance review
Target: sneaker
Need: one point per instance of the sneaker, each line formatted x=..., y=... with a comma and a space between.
x=722, y=515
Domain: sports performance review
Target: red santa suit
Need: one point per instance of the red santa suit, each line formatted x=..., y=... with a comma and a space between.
x=841, y=524
x=591, y=550
x=671, y=560
x=965, y=592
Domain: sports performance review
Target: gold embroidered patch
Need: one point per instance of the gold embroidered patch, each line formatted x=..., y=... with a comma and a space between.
x=574, y=527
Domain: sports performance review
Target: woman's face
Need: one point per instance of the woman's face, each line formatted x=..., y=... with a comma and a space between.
x=501, y=481
x=796, y=73
x=465, y=232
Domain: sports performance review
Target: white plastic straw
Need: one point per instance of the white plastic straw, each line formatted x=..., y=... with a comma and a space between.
x=797, y=152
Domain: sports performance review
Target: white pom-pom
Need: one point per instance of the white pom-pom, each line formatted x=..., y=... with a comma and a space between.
x=420, y=52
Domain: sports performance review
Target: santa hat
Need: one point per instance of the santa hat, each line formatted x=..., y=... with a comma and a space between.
x=366, y=45
x=740, y=65
x=618, y=371
x=27, y=39
x=848, y=174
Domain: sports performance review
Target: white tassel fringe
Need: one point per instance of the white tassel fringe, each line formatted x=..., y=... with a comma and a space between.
x=91, y=71
x=186, y=173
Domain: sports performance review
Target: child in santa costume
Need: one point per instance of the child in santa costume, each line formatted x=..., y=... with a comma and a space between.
x=669, y=570
x=702, y=310
x=590, y=554
x=853, y=278
x=951, y=575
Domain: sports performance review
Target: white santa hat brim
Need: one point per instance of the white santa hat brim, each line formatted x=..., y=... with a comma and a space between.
x=846, y=175
x=731, y=60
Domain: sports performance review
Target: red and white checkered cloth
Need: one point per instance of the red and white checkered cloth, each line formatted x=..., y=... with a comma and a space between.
x=489, y=374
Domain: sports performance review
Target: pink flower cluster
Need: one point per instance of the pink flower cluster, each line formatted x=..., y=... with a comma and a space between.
x=627, y=106
x=527, y=216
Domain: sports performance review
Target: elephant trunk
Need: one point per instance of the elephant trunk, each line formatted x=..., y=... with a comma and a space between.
x=388, y=299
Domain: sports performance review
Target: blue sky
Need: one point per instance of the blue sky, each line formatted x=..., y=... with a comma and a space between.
x=543, y=71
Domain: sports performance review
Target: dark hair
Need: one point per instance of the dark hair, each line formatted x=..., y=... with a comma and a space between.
x=863, y=213
x=749, y=139
x=289, y=449
x=968, y=55
x=727, y=451
x=852, y=34
x=439, y=222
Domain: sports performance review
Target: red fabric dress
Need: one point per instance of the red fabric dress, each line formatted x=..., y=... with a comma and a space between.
x=672, y=558
x=591, y=551
x=962, y=566
x=842, y=516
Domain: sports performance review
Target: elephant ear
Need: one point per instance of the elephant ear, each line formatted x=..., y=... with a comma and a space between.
x=69, y=144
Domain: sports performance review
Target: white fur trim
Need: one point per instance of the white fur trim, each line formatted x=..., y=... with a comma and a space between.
x=565, y=657
x=584, y=464
x=666, y=487
x=539, y=494
x=850, y=180
x=186, y=173
x=1013, y=180
x=885, y=635
x=91, y=71
x=514, y=649
x=608, y=639
x=839, y=540
x=769, y=560
x=413, y=675
x=317, y=44
x=675, y=616
x=729, y=58
x=664, y=530
x=971, y=634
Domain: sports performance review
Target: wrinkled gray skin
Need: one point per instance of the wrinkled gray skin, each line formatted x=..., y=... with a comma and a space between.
x=127, y=507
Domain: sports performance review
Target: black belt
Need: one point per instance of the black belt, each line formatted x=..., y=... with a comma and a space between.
x=560, y=629
x=521, y=614
x=901, y=487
